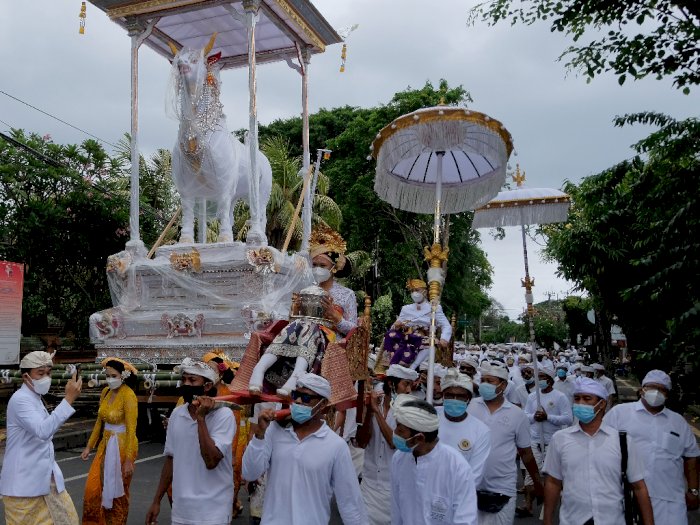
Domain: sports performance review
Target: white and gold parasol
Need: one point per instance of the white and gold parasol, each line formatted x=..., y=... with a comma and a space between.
x=523, y=206
x=440, y=160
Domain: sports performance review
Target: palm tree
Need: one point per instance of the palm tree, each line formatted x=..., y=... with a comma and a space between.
x=287, y=183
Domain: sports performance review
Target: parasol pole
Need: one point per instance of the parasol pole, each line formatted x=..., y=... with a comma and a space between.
x=528, y=284
x=434, y=290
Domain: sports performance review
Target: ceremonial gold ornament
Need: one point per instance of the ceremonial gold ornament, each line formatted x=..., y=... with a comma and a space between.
x=82, y=16
x=262, y=260
x=326, y=240
x=186, y=262
x=436, y=256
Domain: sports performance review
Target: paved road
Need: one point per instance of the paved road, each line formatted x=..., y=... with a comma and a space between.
x=144, y=484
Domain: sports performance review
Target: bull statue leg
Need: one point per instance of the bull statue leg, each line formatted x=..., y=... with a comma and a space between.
x=266, y=361
x=187, y=234
x=225, y=219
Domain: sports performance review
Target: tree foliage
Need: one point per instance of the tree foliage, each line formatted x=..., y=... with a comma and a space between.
x=395, y=239
x=631, y=240
x=631, y=38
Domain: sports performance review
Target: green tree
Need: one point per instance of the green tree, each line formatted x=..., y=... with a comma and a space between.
x=287, y=184
x=631, y=38
x=631, y=241
x=62, y=213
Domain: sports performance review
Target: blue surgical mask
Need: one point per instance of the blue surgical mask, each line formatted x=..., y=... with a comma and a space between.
x=300, y=413
x=400, y=444
x=487, y=391
x=543, y=384
x=530, y=381
x=455, y=407
x=561, y=373
x=584, y=413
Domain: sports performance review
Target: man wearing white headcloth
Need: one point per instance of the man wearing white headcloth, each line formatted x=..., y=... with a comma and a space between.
x=197, y=453
x=376, y=437
x=307, y=463
x=551, y=414
x=585, y=460
x=668, y=446
x=31, y=482
x=430, y=482
x=469, y=436
x=606, y=382
x=510, y=437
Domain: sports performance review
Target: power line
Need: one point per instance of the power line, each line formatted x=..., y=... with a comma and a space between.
x=146, y=208
x=59, y=119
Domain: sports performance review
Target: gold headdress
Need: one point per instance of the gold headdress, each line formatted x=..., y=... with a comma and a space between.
x=227, y=362
x=128, y=367
x=325, y=240
x=414, y=284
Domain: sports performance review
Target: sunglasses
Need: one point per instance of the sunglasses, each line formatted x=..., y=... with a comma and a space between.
x=305, y=398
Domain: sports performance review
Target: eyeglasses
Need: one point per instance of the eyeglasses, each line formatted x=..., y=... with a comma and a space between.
x=305, y=398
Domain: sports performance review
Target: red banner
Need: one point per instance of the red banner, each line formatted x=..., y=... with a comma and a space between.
x=11, y=287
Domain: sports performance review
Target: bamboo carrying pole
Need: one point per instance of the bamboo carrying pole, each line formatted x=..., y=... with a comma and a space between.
x=164, y=232
x=290, y=231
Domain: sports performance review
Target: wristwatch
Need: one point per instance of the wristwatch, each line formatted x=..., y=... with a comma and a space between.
x=693, y=492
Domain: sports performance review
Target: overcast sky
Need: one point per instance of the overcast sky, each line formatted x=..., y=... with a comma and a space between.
x=561, y=125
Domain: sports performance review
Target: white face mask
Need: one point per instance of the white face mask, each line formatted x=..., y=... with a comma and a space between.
x=417, y=297
x=321, y=275
x=113, y=382
x=654, y=397
x=41, y=386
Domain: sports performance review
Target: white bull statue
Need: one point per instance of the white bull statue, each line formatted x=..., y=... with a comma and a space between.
x=208, y=162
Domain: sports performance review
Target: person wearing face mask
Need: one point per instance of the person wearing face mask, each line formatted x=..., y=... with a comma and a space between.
x=416, y=318
x=430, y=482
x=306, y=463
x=304, y=341
x=607, y=384
x=510, y=436
x=585, y=460
x=376, y=437
x=467, y=435
x=31, y=483
x=668, y=446
x=564, y=383
x=519, y=397
x=551, y=414
x=198, y=460
x=106, y=497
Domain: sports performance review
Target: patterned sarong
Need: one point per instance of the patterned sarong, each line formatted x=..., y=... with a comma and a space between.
x=53, y=509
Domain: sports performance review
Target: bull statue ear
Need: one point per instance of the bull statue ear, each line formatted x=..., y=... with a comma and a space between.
x=210, y=45
x=173, y=48
x=213, y=59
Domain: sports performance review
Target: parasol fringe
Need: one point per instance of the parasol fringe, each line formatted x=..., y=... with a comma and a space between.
x=421, y=198
x=497, y=217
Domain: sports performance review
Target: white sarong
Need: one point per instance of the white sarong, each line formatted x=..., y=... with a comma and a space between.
x=112, y=484
x=377, y=496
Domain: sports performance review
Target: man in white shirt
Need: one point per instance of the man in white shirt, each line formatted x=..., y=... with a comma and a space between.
x=307, y=463
x=510, y=437
x=586, y=460
x=31, y=482
x=521, y=393
x=551, y=414
x=417, y=315
x=376, y=437
x=564, y=383
x=197, y=453
x=666, y=444
x=606, y=382
x=430, y=482
x=467, y=435
x=514, y=375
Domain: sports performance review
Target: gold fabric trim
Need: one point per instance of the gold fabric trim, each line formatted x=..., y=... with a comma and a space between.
x=523, y=202
x=299, y=21
x=442, y=114
x=140, y=8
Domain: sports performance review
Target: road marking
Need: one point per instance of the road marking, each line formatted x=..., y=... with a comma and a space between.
x=82, y=476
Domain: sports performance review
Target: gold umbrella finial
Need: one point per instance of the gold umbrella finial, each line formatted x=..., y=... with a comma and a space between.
x=519, y=177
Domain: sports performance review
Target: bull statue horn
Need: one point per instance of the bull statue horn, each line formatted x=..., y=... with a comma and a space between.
x=172, y=47
x=210, y=45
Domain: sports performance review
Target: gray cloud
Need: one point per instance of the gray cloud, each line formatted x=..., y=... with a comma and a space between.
x=561, y=125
